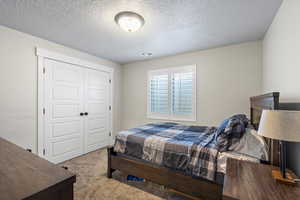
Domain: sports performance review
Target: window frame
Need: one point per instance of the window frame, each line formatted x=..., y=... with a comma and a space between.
x=171, y=116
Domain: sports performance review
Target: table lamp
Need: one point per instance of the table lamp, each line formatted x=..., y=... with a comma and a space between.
x=284, y=126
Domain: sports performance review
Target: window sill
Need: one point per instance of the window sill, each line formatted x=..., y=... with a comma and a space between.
x=172, y=119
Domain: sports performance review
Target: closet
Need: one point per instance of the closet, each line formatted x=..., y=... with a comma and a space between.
x=76, y=109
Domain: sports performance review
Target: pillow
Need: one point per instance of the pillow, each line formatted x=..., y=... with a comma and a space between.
x=230, y=131
x=251, y=144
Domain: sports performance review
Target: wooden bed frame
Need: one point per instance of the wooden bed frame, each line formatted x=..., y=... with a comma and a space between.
x=197, y=187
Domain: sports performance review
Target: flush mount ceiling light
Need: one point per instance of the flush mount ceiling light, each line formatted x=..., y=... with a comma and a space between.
x=129, y=21
x=147, y=54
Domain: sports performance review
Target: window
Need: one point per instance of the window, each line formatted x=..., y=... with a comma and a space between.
x=172, y=93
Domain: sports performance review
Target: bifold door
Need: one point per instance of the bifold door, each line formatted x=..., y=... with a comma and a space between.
x=76, y=118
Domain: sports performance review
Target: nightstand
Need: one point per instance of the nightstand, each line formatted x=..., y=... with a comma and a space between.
x=252, y=181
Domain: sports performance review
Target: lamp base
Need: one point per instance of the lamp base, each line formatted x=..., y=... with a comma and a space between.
x=290, y=179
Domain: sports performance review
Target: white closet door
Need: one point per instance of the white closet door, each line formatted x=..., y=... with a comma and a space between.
x=97, y=98
x=64, y=101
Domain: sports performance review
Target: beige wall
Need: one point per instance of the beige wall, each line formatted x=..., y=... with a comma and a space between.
x=18, y=84
x=226, y=78
x=281, y=62
x=281, y=52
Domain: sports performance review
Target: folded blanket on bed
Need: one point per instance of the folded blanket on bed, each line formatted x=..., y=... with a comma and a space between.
x=231, y=131
x=189, y=149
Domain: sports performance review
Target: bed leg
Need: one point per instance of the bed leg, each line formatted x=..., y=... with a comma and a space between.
x=110, y=151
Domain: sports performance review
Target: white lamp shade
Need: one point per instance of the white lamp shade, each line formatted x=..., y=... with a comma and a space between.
x=280, y=125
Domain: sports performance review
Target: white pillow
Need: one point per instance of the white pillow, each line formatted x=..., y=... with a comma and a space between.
x=251, y=144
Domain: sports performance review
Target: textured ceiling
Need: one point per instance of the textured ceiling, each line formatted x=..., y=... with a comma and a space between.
x=172, y=26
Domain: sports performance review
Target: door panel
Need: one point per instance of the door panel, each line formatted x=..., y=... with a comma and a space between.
x=69, y=145
x=99, y=109
x=64, y=127
x=66, y=92
x=96, y=94
x=97, y=105
x=96, y=123
x=95, y=138
x=66, y=110
x=63, y=69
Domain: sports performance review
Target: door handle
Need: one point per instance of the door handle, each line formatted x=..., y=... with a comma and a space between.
x=81, y=114
x=86, y=113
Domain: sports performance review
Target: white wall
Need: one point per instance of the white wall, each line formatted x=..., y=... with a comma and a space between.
x=226, y=78
x=18, y=84
x=281, y=62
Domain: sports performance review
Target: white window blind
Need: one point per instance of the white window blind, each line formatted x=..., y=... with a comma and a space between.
x=182, y=93
x=159, y=94
x=172, y=94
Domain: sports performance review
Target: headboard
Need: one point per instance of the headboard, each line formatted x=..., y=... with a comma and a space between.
x=269, y=101
x=258, y=104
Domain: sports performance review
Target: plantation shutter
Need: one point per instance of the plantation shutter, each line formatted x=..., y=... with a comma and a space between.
x=159, y=94
x=172, y=94
x=182, y=93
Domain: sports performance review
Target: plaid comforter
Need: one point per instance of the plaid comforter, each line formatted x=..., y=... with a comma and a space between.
x=189, y=149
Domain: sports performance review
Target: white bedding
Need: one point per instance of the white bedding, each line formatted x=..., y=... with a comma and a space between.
x=223, y=156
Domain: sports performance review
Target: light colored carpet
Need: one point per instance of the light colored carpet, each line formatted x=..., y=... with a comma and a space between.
x=92, y=183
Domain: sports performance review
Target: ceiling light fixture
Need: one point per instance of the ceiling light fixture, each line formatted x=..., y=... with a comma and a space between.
x=129, y=21
x=147, y=54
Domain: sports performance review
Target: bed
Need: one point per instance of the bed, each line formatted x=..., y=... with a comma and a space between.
x=145, y=157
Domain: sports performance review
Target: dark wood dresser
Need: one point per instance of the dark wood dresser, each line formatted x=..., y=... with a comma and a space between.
x=25, y=176
x=253, y=181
